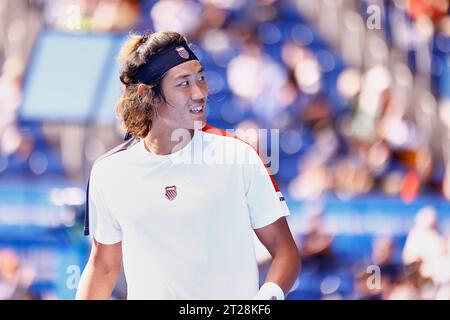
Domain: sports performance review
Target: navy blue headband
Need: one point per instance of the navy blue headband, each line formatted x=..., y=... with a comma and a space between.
x=159, y=63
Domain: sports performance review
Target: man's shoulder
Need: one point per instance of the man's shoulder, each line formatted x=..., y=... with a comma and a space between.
x=111, y=156
x=222, y=136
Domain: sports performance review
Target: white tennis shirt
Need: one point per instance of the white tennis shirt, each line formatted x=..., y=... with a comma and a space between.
x=186, y=219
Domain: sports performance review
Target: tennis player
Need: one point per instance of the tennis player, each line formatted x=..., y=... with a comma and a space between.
x=180, y=213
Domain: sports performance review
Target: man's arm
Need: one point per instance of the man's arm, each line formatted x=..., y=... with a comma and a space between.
x=101, y=272
x=285, y=266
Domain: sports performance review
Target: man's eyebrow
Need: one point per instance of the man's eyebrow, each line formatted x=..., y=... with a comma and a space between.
x=188, y=74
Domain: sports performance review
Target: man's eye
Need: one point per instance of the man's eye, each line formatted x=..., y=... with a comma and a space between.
x=202, y=78
x=183, y=84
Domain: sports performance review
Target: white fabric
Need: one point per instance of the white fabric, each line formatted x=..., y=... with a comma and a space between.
x=200, y=244
x=270, y=291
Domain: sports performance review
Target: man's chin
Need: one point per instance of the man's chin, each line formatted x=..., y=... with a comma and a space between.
x=198, y=124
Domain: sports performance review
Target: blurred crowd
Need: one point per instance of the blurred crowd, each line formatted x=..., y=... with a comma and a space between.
x=15, y=278
x=355, y=87
x=417, y=267
x=359, y=109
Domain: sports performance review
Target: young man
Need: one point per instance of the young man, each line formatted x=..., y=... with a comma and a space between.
x=179, y=214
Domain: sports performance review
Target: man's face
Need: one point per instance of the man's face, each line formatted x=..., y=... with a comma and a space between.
x=186, y=91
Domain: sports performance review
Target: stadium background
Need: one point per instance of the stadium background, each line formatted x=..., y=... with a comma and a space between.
x=360, y=91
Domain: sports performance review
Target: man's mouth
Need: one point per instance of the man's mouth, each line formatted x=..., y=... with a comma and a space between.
x=197, y=109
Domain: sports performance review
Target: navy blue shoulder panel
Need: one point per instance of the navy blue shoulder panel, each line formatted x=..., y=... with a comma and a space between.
x=124, y=146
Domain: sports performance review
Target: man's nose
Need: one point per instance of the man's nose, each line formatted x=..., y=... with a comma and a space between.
x=199, y=92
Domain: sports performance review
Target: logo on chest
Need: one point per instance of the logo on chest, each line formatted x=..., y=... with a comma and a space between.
x=171, y=192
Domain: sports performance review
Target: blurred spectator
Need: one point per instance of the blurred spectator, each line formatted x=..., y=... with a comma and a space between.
x=404, y=289
x=362, y=289
x=257, y=78
x=15, y=280
x=435, y=9
x=425, y=245
x=390, y=270
x=383, y=255
x=443, y=275
x=98, y=15
x=315, y=243
x=13, y=141
x=177, y=15
x=10, y=90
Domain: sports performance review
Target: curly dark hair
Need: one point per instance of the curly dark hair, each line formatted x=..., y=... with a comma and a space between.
x=138, y=111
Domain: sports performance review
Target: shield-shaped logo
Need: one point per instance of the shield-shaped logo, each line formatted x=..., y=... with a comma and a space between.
x=182, y=52
x=171, y=192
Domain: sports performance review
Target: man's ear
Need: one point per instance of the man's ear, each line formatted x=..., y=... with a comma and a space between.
x=142, y=90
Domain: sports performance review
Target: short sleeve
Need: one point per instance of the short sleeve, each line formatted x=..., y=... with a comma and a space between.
x=265, y=202
x=104, y=227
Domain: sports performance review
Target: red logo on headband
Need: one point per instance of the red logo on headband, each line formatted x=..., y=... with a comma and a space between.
x=182, y=52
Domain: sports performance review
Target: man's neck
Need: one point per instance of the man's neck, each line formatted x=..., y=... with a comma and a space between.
x=164, y=142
